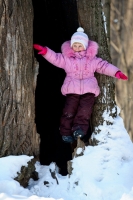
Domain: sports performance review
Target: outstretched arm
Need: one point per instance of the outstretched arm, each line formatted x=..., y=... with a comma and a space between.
x=56, y=59
x=103, y=67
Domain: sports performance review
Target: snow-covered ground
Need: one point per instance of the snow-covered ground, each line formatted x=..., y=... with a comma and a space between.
x=104, y=172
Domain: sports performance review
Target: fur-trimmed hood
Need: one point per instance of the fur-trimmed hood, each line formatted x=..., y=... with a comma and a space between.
x=91, y=50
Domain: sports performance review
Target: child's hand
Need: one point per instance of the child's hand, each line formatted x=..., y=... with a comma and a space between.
x=42, y=50
x=120, y=75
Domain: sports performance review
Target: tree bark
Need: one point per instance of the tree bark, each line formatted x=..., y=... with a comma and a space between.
x=91, y=19
x=106, y=13
x=17, y=79
x=122, y=56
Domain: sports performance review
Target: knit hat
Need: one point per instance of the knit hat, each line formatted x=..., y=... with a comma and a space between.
x=80, y=37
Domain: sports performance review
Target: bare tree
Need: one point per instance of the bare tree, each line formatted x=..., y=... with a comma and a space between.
x=122, y=56
x=18, y=72
x=92, y=20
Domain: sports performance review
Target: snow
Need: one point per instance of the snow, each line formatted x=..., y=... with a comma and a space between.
x=79, y=150
x=116, y=20
x=104, y=172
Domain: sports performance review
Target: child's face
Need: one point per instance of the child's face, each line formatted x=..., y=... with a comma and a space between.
x=78, y=47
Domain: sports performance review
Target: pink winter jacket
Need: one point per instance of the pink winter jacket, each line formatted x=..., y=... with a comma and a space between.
x=80, y=68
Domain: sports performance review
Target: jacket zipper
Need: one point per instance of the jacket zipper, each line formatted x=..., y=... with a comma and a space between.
x=81, y=77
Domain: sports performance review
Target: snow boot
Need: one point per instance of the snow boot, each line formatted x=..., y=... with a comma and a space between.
x=78, y=133
x=67, y=139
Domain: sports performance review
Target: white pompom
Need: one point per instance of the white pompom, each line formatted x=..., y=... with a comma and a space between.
x=80, y=29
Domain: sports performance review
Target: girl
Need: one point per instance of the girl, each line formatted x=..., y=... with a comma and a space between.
x=79, y=60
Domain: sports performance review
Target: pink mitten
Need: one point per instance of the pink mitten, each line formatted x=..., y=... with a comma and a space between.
x=42, y=50
x=120, y=75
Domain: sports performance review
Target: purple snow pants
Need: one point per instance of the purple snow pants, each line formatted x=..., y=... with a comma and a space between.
x=76, y=113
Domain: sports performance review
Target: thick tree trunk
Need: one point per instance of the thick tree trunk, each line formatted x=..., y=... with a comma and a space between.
x=122, y=56
x=106, y=13
x=17, y=79
x=91, y=19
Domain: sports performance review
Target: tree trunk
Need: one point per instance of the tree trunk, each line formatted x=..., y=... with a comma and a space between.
x=122, y=56
x=91, y=19
x=106, y=11
x=17, y=79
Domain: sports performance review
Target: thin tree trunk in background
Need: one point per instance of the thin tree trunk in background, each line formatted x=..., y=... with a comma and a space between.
x=122, y=56
x=17, y=79
x=91, y=19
